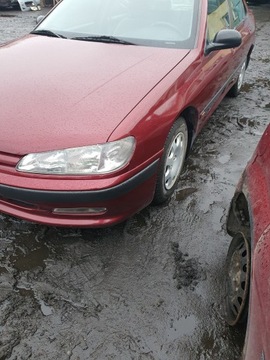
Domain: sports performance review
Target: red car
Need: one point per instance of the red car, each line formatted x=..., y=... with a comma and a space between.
x=248, y=259
x=102, y=101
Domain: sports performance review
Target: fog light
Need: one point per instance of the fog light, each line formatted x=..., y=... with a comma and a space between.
x=80, y=211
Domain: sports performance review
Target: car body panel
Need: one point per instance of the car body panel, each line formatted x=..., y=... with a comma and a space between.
x=258, y=184
x=83, y=112
x=256, y=187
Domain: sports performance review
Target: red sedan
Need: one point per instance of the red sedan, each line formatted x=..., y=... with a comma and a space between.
x=248, y=260
x=101, y=103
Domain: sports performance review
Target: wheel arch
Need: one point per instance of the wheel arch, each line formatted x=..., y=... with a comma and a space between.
x=190, y=115
x=249, y=54
x=239, y=224
x=239, y=219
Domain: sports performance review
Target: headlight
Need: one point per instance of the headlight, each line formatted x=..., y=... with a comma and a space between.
x=87, y=160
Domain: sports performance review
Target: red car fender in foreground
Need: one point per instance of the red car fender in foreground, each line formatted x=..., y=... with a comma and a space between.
x=249, y=215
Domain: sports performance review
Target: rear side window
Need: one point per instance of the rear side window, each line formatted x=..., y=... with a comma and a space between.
x=238, y=12
x=218, y=17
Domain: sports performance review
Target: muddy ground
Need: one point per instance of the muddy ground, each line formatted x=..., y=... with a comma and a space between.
x=148, y=289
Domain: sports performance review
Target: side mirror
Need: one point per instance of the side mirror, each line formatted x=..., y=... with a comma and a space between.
x=40, y=18
x=224, y=39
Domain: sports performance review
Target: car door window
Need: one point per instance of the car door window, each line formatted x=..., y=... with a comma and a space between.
x=218, y=17
x=238, y=11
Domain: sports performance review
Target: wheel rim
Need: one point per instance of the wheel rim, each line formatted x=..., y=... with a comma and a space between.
x=175, y=160
x=241, y=76
x=237, y=279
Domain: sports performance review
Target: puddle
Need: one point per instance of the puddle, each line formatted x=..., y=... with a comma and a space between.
x=23, y=291
x=30, y=260
x=184, y=193
x=27, y=252
x=246, y=122
x=247, y=87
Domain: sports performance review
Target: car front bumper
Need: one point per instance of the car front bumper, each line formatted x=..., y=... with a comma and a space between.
x=26, y=5
x=81, y=208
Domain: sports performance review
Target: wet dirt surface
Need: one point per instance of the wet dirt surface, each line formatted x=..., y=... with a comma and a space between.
x=148, y=289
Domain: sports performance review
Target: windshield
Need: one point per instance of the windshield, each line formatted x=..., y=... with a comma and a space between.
x=163, y=23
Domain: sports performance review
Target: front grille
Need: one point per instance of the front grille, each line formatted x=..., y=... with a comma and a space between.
x=9, y=160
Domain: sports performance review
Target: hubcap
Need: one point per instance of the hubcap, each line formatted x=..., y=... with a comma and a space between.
x=175, y=160
x=237, y=282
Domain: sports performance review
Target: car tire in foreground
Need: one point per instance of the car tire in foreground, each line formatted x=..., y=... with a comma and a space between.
x=236, y=88
x=237, y=280
x=172, y=161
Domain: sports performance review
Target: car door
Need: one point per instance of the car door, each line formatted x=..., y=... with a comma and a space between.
x=215, y=67
x=241, y=22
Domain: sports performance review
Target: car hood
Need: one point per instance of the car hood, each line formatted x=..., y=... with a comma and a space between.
x=60, y=93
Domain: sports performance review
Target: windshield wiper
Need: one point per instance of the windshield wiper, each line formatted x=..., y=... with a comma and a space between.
x=103, y=38
x=47, y=33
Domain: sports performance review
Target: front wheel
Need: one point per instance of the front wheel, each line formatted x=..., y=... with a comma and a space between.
x=172, y=161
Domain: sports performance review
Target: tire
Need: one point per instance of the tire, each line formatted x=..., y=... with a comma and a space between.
x=236, y=88
x=172, y=161
x=237, y=280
